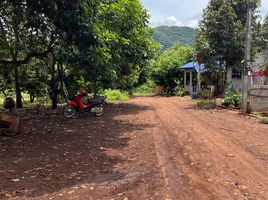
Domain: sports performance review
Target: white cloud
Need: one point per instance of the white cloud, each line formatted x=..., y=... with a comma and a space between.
x=193, y=23
x=185, y=11
x=170, y=21
x=173, y=21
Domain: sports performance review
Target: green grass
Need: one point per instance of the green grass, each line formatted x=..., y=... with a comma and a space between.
x=26, y=100
x=257, y=115
x=260, y=116
x=115, y=95
x=24, y=95
x=264, y=120
x=112, y=95
x=181, y=92
x=206, y=104
x=146, y=88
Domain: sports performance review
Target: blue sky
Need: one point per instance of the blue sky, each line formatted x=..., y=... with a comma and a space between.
x=181, y=12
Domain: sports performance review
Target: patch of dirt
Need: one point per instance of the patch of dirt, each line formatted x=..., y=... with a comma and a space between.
x=148, y=148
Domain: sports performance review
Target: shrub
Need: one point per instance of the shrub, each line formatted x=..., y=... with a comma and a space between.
x=206, y=104
x=181, y=92
x=115, y=95
x=256, y=115
x=232, y=98
x=146, y=88
x=264, y=120
x=204, y=93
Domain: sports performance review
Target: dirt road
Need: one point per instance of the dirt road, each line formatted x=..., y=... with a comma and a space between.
x=147, y=148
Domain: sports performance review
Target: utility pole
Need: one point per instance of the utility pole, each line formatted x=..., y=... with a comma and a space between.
x=247, y=60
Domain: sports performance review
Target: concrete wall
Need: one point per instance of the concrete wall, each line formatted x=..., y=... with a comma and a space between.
x=258, y=98
x=260, y=64
x=238, y=84
x=258, y=92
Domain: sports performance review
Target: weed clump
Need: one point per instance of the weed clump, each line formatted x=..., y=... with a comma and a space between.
x=115, y=95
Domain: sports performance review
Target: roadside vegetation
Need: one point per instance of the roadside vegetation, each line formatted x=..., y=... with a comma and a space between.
x=165, y=69
x=145, y=89
x=206, y=104
x=115, y=95
x=181, y=92
x=232, y=98
x=261, y=117
x=219, y=45
x=264, y=120
x=45, y=49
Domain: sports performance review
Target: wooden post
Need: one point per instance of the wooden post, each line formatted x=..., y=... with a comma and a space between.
x=245, y=96
x=185, y=76
x=212, y=92
x=229, y=74
x=191, y=80
x=198, y=79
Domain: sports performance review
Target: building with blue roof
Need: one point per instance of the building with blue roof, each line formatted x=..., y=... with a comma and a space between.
x=193, y=71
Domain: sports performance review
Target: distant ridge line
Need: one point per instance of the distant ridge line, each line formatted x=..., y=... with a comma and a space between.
x=168, y=35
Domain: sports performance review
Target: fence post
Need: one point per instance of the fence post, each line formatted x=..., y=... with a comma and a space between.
x=245, y=95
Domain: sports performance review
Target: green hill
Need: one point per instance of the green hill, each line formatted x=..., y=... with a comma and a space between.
x=168, y=35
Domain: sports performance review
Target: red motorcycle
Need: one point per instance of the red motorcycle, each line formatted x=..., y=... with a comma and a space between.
x=95, y=105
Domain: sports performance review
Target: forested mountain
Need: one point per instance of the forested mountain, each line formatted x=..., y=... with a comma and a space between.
x=168, y=35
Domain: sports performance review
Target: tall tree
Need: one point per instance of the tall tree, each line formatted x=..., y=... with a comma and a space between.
x=165, y=68
x=22, y=38
x=221, y=35
x=127, y=40
x=105, y=43
x=261, y=35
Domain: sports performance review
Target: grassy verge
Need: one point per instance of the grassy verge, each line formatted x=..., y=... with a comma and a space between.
x=264, y=120
x=261, y=118
x=26, y=100
x=206, y=104
x=145, y=89
x=115, y=95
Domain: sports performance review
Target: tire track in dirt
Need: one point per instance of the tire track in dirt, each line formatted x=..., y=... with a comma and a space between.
x=185, y=136
x=245, y=135
x=180, y=182
x=250, y=170
x=220, y=141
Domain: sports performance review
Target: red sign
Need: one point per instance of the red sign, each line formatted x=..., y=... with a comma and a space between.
x=261, y=73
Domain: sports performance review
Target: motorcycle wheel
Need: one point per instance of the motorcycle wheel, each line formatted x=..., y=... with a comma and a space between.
x=69, y=111
x=101, y=107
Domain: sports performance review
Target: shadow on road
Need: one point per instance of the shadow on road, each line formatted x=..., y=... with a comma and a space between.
x=53, y=153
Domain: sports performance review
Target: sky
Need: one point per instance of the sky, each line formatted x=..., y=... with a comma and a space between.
x=181, y=12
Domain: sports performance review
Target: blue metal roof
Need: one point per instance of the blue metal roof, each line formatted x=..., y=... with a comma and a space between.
x=193, y=65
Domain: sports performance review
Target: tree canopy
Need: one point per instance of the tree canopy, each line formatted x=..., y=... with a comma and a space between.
x=101, y=43
x=165, y=68
x=221, y=34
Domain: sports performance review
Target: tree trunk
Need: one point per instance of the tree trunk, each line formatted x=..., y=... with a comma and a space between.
x=17, y=88
x=229, y=74
x=60, y=78
x=54, y=94
x=32, y=97
x=54, y=100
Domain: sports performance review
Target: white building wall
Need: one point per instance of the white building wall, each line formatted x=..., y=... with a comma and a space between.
x=258, y=92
